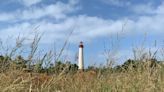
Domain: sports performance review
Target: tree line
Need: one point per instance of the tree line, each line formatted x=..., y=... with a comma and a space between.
x=19, y=63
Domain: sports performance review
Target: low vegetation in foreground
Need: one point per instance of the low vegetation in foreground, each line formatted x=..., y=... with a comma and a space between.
x=132, y=76
x=37, y=73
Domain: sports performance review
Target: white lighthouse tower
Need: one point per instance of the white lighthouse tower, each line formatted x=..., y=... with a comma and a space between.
x=81, y=57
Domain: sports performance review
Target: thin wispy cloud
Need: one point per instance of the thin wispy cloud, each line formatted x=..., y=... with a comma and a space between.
x=57, y=10
x=119, y=3
x=143, y=8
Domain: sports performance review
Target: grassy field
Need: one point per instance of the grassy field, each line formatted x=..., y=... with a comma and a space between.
x=143, y=79
x=138, y=76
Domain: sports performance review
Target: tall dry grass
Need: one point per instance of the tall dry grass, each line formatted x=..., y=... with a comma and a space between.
x=142, y=79
x=147, y=80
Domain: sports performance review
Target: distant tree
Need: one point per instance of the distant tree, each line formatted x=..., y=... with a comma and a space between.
x=64, y=67
x=91, y=68
x=73, y=68
x=129, y=63
x=133, y=64
x=5, y=62
x=38, y=68
x=59, y=67
x=20, y=62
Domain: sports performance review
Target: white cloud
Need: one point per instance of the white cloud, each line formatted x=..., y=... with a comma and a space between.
x=143, y=8
x=6, y=17
x=29, y=2
x=160, y=9
x=89, y=28
x=148, y=8
x=85, y=28
x=58, y=10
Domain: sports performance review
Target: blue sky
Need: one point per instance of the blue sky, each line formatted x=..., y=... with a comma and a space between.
x=117, y=25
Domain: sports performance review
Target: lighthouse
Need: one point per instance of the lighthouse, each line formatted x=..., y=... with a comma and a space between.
x=81, y=57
